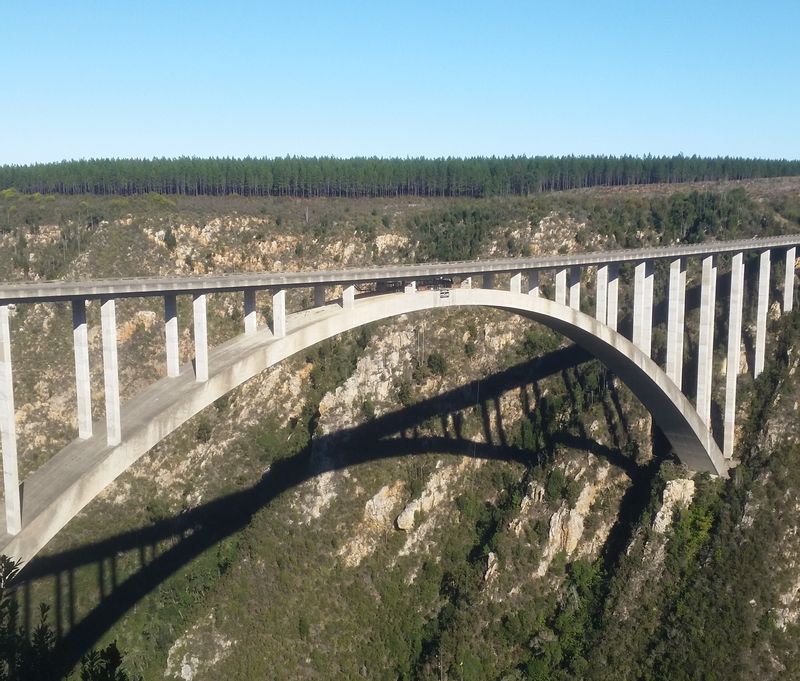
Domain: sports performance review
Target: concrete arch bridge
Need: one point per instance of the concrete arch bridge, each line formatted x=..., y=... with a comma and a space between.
x=34, y=511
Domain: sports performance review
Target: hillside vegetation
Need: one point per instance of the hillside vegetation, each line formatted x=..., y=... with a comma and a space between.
x=456, y=495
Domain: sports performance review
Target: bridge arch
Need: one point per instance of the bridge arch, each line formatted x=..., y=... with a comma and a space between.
x=57, y=491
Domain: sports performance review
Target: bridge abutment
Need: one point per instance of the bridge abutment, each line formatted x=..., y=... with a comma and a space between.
x=575, y=288
x=732, y=365
x=612, y=296
x=108, y=324
x=676, y=311
x=171, y=336
x=83, y=389
x=8, y=430
x=533, y=283
x=601, y=294
x=199, y=314
x=250, y=313
x=788, y=282
x=761, y=312
x=348, y=299
x=319, y=296
x=561, y=287
x=705, y=345
x=279, y=313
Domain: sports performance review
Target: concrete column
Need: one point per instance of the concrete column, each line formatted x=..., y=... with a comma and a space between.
x=533, y=283
x=675, y=320
x=601, y=294
x=643, y=306
x=250, y=321
x=516, y=283
x=488, y=280
x=171, y=335
x=705, y=349
x=561, y=287
x=319, y=296
x=8, y=429
x=466, y=283
x=575, y=288
x=734, y=351
x=761, y=313
x=279, y=313
x=349, y=296
x=612, y=296
x=83, y=390
x=200, y=337
x=108, y=324
x=788, y=282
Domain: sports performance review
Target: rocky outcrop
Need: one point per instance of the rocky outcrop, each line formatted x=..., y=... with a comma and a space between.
x=198, y=650
x=377, y=521
x=437, y=490
x=567, y=524
x=677, y=494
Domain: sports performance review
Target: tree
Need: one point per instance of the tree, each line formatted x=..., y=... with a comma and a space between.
x=36, y=657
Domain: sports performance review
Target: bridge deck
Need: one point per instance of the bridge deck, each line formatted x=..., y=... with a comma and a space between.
x=33, y=292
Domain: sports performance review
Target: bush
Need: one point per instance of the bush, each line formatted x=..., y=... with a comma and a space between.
x=437, y=363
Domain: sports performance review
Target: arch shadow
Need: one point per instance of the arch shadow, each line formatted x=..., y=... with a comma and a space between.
x=195, y=531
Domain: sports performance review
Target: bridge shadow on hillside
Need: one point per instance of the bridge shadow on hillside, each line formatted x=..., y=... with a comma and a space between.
x=165, y=546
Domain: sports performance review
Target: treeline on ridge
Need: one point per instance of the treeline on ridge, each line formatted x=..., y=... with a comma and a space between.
x=376, y=177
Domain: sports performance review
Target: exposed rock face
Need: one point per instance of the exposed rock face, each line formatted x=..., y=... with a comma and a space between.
x=436, y=490
x=567, y=524
x=491, y=567
x=677, y=494
x=533, y=497
x=377, y=521
x=438, y=495
x=199, y=650
x=790, y=612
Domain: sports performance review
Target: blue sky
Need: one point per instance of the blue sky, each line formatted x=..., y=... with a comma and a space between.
x=142, y=79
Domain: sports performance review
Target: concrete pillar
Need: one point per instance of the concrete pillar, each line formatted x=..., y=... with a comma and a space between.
x=705, y=349
x=788, y=282
x=279, y=313
x=601, y=294
x=561, y=287
x=200, y=337
x=734, y=351
x=8, y=429
x=515, y=286
x=108, y=324
x=612, y=296
x=488, y=280
x=349, y=296
x=676, y=312
x=643, y=306
x=171, y=335
x=575, y=288
x=319, y=296
x=761, y=313
x=533, y=283
x=250, y=321
x=83, y=390
x=466, y=283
